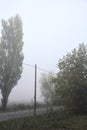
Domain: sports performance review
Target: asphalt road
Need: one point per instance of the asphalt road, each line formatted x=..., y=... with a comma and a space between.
x=24, y=113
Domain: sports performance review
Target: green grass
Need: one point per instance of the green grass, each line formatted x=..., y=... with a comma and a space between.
x=46, y=122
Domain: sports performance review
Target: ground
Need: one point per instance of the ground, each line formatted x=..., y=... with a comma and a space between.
x=51, y=121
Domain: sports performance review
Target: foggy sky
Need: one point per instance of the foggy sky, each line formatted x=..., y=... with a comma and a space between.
x=51, y=29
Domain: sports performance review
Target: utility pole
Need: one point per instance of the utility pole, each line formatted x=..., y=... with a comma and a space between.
x=35, y=90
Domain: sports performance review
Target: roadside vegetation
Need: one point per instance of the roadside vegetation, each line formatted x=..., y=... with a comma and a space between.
x=52, y=121
x=69, y=87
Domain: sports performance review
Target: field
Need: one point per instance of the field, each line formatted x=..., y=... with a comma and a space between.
x=51, y=121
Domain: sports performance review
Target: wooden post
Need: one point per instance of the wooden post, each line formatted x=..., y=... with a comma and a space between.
x=35, y=90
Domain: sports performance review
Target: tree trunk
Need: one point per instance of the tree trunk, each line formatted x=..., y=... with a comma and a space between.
x=4, y=103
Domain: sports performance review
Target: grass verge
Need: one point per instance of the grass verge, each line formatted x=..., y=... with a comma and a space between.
x=51, y=121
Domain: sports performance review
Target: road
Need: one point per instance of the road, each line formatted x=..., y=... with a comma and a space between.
x=23, y=113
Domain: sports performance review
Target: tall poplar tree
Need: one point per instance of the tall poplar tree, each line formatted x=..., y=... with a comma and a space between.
x=11, y=56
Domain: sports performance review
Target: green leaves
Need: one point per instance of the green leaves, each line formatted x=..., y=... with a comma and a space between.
x=47, y=87
x=11, y=55
x=72, y=78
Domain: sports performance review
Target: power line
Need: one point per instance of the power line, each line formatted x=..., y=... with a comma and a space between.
x=37, y=67
x=43, y=69
x=29, y=65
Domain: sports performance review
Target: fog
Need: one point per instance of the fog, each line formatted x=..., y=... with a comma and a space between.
x=51, y=29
